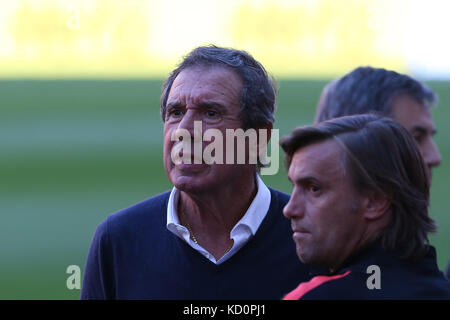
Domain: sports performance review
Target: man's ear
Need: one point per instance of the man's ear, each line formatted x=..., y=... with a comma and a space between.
x=376, y=205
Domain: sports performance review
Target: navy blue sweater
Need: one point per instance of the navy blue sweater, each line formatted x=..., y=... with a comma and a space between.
x=134, y=256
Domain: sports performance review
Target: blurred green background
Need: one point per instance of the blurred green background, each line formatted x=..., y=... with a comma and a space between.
x=74, y=151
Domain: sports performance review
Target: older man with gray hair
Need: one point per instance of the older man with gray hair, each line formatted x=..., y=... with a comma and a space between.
x=219, y=233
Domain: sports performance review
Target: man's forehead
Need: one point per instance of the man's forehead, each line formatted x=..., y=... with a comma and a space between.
x=320, y=159
x=209, y=84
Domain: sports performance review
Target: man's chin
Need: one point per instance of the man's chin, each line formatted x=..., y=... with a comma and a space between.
x=192, y=189
x=194, y=182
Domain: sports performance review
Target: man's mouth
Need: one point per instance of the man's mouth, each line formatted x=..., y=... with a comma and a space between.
x=297, y=229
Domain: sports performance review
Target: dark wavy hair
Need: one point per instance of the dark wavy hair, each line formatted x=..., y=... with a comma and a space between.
x=381, y=156
x=257, y=101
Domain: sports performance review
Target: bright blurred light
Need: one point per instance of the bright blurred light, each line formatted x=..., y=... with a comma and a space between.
x=307, y=38
x=426, y=42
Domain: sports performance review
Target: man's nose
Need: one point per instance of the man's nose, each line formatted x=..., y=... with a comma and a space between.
x=293, y=209
x=432, y=157
x=187, y=122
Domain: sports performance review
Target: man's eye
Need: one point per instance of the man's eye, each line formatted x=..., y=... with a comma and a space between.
x=314, y=188
x=175, y=112
x=418, y=138
x=211, y=113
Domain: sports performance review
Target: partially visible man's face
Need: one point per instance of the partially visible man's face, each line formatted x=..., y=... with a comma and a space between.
x=324, y=208
x=210, y=95
x=416, y=118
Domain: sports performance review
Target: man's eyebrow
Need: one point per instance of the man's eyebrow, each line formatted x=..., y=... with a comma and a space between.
x=209, y=104
x=423, y=130
x=174, y=105
x=203, y=105
x=305, y=179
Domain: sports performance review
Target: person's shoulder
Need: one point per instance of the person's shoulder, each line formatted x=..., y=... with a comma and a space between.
x=139, y=215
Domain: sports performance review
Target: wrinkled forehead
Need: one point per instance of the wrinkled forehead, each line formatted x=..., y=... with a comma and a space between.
x=207, y=82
